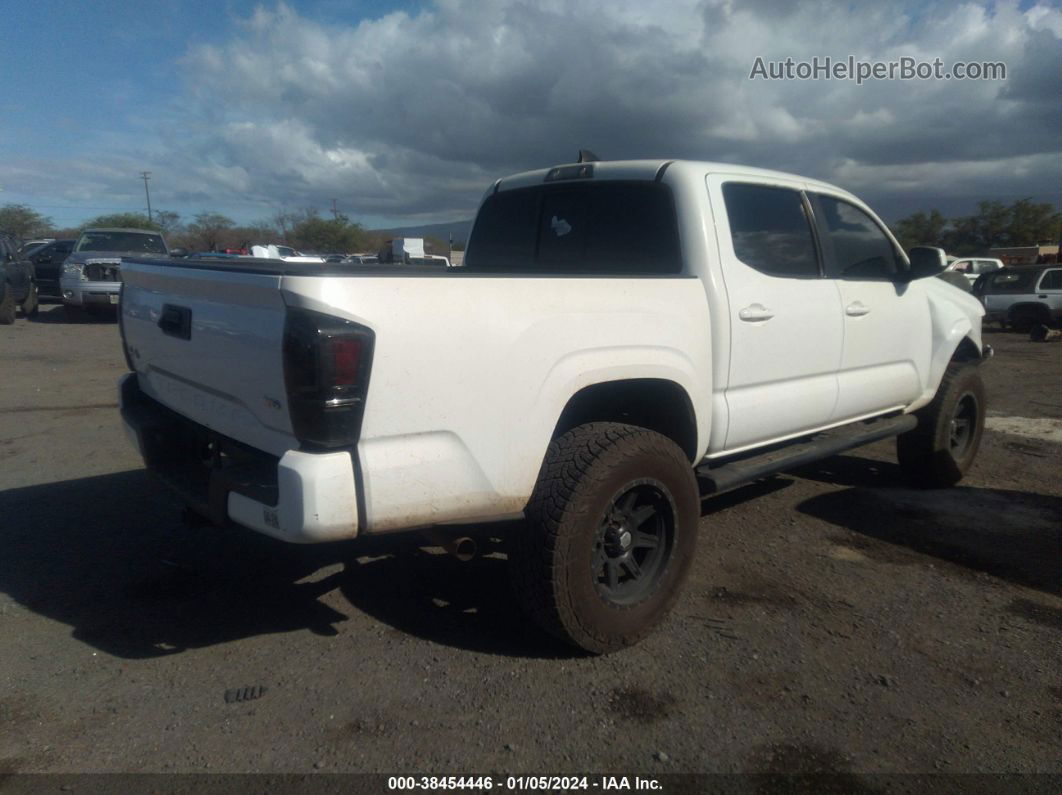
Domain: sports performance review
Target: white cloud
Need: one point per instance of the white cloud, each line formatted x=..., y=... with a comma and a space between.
x=411, y=116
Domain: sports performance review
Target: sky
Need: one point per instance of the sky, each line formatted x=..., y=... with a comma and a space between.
x=404, y=112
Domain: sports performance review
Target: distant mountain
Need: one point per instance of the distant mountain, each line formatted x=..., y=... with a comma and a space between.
x=459, y=229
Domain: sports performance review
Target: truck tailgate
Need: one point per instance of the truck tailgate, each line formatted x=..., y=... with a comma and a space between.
x=208, y=344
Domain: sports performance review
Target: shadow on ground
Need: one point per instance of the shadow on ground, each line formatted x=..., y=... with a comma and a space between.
x=55, y=313
x=109, y=557
x=1014, y=535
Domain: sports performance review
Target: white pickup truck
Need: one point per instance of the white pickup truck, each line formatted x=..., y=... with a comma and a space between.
x=624, y=339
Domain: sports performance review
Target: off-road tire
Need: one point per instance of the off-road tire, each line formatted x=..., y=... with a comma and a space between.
x=929, y=455
x=586, y=473
x=7, y=305
x=31, y=303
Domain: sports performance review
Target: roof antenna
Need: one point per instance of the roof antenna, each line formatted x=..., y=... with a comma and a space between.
x=586, y=156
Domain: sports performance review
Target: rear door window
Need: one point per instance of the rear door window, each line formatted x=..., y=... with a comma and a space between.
x=1052, y=280
x=607, y=227
x=770, y=231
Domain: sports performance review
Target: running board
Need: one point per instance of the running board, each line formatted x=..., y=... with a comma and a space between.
x=729, y=475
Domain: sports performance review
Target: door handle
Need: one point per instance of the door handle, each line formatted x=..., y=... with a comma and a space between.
x=755, y=312
x=856, y=309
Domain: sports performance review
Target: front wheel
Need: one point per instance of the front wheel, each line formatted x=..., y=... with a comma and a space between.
x=942, y=448
x=610, y=534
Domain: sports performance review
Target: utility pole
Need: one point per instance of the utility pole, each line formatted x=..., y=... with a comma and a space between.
x=335, y=212
x=146, y=175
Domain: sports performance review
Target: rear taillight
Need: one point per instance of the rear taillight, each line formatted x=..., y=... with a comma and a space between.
x=326, y=371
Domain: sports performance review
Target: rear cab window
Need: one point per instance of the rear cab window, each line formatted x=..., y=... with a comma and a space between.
x=605, y=227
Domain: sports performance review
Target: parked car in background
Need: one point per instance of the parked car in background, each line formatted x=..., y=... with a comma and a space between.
x=286, y=253
x=17, y=285
x=91, y=276
x=973, y=267
x=956, y=279
x=48, y=259
x=27, y=245
x=1022, y=296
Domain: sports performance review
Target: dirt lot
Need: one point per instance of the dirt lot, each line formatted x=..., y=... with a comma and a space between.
x=835, y=620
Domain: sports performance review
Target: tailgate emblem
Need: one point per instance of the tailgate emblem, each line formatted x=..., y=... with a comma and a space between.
x=271, y=403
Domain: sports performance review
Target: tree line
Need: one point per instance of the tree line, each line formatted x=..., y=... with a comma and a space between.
x=306, y=230
x=994, y=225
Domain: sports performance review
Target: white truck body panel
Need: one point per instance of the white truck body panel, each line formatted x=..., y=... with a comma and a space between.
x=448, y=404
x=471, y=371
x=227, y=377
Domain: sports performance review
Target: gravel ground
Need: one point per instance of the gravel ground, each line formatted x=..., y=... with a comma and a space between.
x=835, y=621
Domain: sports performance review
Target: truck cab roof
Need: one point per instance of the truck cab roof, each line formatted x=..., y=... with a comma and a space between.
x=650, y=170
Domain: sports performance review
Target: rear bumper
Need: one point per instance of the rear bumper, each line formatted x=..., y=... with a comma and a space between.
x=79, y=293
x=300, y=497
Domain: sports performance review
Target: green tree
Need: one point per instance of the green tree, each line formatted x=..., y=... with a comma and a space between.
x=339, y=234
x=23, y=221
x=1032, y=223
x=994, y=225
x=121, y=221
x=921, y=229
x=208, y=230
x=169, y=222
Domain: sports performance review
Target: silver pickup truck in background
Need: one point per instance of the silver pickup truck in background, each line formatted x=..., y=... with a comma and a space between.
x=91, y=276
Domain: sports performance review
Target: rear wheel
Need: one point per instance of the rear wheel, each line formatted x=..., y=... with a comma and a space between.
x=940, y=451
x=1023, y=318
x=610, y=534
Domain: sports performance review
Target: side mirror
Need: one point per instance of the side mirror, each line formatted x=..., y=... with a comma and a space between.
x=926, y=261
x=178, y=252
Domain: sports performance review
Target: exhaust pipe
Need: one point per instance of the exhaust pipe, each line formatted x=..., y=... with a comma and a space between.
x=461, y=547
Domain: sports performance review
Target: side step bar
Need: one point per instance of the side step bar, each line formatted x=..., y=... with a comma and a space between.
x=728, y=475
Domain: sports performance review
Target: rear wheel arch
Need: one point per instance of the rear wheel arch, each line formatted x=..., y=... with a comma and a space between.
x=656, y=404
